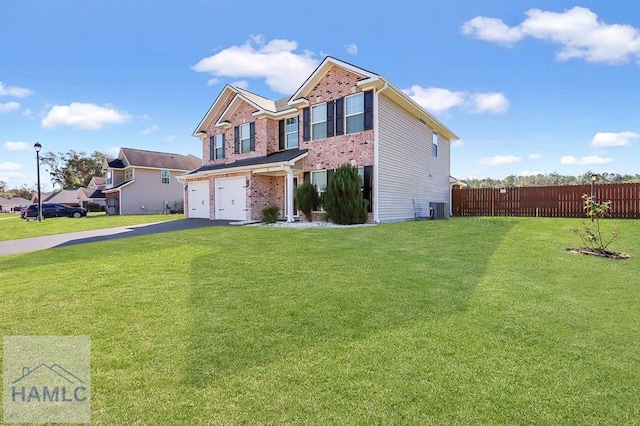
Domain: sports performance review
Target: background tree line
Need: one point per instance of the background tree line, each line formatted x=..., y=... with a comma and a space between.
x=550, y=179
x=67, y=170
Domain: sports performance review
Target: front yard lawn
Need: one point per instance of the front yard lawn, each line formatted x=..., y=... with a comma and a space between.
x=465, y=321
x=12, y=227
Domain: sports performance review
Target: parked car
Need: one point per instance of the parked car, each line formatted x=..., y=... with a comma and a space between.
x=53, y=210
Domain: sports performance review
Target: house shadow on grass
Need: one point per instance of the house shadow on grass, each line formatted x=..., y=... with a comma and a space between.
x=254, y=302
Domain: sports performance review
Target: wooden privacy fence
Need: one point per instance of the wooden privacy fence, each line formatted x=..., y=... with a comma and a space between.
x=546, y=201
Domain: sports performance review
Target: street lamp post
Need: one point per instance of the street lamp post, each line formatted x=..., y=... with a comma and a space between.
x=594, y=177
x=38, y=147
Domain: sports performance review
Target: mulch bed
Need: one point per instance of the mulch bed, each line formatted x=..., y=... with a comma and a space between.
x=598, y=252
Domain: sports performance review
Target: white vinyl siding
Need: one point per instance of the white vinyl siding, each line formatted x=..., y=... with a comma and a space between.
x=407, y=170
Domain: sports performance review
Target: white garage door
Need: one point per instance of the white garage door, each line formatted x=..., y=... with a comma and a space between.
x=199, y=199
x=231, y=198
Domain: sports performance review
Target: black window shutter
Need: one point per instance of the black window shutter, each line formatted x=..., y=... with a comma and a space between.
x=236, y=140
x=307, y=177
x=281, y=135
x=368, y=110
x=340, y=116
x=306, y=125
x=223, y=147
x=252, y=136
x=330, y=175
x=330, y=122
x=212, y=148
x=368, y=178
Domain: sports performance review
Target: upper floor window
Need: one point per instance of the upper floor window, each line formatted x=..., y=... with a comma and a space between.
x=245, y=138
x=165, y=176
x=355, y=113
x=128, y=175
x=291, y=132
x=434, y=144
x=216, y=147
x=319, y=121
x=109, y=177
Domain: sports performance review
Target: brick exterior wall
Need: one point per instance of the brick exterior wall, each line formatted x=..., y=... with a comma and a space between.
x=265, y=190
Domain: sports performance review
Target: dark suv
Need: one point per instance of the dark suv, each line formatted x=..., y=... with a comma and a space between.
x=53, y=210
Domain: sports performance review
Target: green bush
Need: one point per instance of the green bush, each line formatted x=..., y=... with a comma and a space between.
x=307, y=199
x=94, y=207
x=270, y=213
x=343, y=198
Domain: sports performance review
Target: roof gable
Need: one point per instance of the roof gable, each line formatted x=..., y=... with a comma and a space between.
x=315, y=77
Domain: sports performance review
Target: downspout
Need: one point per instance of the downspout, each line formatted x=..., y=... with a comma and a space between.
x=376, y=140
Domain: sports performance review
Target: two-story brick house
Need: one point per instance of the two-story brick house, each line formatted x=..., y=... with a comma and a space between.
x=256, y=151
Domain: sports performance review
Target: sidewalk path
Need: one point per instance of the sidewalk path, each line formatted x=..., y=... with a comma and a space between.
x=26, y=245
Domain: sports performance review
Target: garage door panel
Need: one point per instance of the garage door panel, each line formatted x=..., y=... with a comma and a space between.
x=231, y=198
x=199, y=200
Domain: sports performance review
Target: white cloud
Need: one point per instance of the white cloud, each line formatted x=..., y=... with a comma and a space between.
x=170, y=138
x=493, y=103
x=609, y=139
x=435, y=99
x=17, y=146
x=534, y=156
x=114, y=151
x=589, y=160
x=456, y=144
x=9, y=106
x=243, y=84
x=500, y=160
x=27, y=112
x=351, y=49
x=578, y=31
x=149, y=130
x=283, y=70
x=15, y=91
x=491, y=29
x=7, y=166
x=438, y=100
x=83, y=116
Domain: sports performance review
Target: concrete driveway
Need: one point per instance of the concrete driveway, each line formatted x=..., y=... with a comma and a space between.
x=26, y=245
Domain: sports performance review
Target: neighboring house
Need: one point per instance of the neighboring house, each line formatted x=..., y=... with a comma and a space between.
x=256, y=151
x=8, y=205
x=140, y=182
x=93, y=193
x=34, y=197
x=68, y=197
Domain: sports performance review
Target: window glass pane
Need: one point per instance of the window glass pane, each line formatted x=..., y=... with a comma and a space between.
x=355, y=123
x=319, y=113
x=320, y=130
x=319, y=179
x=292, y=140
x=244, y=131
x=291, y=124
x=355, y=104
x=246, y=146
x=219, y=141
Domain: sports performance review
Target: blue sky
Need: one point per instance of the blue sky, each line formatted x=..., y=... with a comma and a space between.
x=529, y=86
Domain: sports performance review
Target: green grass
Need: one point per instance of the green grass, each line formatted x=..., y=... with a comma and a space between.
x=466, y=321
x=12, y=227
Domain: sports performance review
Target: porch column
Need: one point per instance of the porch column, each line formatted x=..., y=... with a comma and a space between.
x=289, y=186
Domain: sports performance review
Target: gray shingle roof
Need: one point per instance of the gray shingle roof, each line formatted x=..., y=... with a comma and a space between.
x=277, y=157
x=161, y=160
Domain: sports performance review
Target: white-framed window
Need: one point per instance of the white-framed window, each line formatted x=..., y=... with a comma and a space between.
x=354, y=113
x=165, y=176
x=319, y=121
x=128, y=175
x=291, y=132
x=109, y=177
x=245, y=138
x=218, y=146
x=434, y=144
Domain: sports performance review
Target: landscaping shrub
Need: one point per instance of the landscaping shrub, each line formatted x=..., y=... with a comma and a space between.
x=307, y=199
x=94, y=207
x=270, y=214
x=343, y=199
